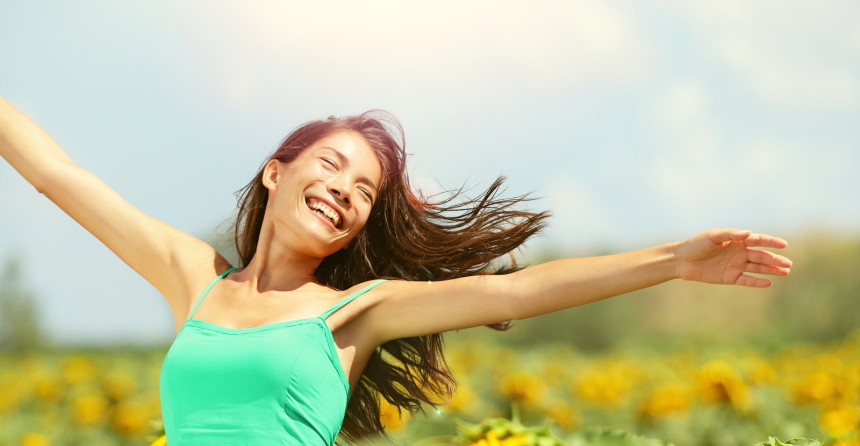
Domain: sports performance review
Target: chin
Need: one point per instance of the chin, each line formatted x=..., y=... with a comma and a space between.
x=322, y=249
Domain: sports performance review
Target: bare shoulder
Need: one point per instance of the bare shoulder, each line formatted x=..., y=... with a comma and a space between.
x=194, y=272
x=366, y=312
x=365, y=294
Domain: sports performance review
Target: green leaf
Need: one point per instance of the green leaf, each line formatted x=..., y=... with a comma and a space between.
x=773, y=441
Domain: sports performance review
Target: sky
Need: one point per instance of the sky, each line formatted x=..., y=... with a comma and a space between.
x=634, y=122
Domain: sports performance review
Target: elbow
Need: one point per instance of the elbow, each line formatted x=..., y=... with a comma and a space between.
x=53, y=176
x=40, y=187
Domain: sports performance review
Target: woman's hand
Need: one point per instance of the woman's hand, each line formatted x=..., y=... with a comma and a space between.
x=724, y=256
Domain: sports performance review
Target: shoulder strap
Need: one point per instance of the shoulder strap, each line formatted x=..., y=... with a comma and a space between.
x=209, y=287
x=350, y=298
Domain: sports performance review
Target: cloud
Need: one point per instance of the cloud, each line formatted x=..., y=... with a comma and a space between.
x=422, y=46
x=760, y=178
x=790, y=54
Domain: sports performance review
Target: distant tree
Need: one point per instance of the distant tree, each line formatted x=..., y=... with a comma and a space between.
x=19, y=316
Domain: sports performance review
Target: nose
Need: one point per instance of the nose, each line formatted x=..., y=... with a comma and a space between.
x=340, y=191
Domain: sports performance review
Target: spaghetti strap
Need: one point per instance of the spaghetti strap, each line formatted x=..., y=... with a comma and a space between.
x=209, y=287
x=350, y=298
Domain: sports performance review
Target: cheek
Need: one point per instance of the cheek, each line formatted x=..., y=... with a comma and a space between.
x=362, y=220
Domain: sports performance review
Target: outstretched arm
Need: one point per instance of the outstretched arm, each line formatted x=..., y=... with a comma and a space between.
x=168, y=258
x=721, y=256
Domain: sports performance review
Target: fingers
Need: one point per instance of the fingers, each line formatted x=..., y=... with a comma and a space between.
x=768, y=258
x=763, y=262
x=725, y=235
x=765, y=241
x=748, y=237
x=750, y=281
x=759, y=268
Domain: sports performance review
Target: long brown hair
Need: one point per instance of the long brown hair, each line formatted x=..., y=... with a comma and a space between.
x=406, y=237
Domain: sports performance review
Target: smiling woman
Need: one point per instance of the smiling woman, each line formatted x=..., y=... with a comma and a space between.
x=331, y=309
x=350, y=174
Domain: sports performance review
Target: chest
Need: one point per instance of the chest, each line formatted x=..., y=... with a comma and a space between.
x=286, y=373
x=230, y=308
x=271, y=354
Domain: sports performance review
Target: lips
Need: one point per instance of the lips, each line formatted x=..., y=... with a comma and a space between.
x=325, y=210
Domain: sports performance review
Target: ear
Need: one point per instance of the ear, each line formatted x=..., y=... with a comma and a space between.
x=271, y=172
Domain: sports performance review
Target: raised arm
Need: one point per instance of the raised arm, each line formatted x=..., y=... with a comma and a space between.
x=723, y=256
x=172, y=261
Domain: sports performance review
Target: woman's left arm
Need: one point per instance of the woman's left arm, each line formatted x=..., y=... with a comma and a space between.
x=720, y=256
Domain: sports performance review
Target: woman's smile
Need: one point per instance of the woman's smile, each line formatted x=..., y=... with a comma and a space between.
x=325, y=211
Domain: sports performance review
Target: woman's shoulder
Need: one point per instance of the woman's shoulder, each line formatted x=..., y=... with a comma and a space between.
x=197, y=271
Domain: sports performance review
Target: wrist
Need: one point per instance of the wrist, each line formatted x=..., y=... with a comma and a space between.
x=672, y=252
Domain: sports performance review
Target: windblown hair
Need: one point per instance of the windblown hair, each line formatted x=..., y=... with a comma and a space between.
x=406, y=237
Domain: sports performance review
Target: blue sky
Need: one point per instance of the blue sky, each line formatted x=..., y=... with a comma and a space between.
x=637, y=122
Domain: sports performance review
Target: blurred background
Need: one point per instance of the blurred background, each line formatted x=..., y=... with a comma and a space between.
x=636, y=123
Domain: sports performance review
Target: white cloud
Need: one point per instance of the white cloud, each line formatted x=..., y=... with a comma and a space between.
x=761, y=178
x=406, y=46
x=795, y=54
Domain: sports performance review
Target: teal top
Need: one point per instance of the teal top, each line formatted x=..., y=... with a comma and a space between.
x=276, y=384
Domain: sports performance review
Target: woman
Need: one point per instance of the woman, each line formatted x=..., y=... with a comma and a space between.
x=275, y=351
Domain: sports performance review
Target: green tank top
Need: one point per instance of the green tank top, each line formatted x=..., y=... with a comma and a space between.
x=276, y=384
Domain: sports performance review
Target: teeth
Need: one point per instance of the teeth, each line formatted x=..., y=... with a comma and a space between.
x=326, y=210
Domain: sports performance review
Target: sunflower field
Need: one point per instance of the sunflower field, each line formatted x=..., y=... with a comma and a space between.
x=682, y=396
x=679, y=364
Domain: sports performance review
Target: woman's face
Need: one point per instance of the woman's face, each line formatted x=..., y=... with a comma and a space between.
x=321, y=200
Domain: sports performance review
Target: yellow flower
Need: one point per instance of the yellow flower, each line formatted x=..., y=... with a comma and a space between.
x=10, y=395
x=846, y=385
x=34, y=439
x=718, y=382
x=390, y=416
x=463, y=400
x=605, y=385
x=131, y=418
x=161, y=441
x=515, y=440
x=522, y=387
x=492, y=439
x=78, y=369
x=814, y=387
x=839, y=421
x=118, y=385
x=47, y=387
x=666, y=400
x=89, y=409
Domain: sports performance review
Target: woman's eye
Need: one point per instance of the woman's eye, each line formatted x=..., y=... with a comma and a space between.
x=329, y=162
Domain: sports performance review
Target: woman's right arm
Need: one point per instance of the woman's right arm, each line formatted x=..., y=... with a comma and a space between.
x=171, y=260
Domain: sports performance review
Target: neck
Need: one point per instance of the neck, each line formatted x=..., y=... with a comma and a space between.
x=277, y=267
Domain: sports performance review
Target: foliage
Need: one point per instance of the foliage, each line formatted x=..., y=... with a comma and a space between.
x=504, y=432
x=796, y=442
x=19, y=319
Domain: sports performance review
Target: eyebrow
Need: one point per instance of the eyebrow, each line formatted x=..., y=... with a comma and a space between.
x=344, y=160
